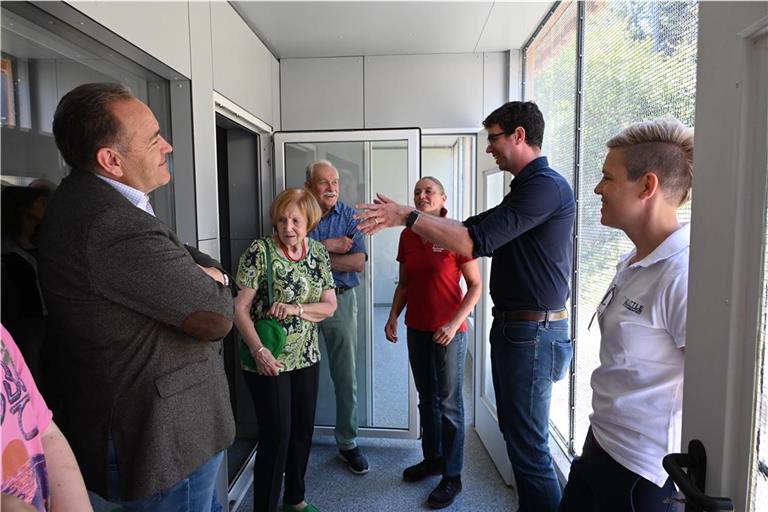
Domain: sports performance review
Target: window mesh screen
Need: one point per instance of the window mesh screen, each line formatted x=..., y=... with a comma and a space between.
x=639, y=63
x=550, y=81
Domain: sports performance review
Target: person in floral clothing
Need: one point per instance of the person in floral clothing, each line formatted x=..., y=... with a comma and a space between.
x=284, y=385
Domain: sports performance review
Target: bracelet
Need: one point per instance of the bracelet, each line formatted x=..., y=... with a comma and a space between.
x=260, y=349
x=301, y=310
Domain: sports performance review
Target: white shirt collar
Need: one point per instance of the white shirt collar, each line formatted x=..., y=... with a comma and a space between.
x=678, y=241
x=137, y=198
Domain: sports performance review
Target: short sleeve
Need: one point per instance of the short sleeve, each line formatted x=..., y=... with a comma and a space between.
x=252, y=264
x=326, y=274
x=676, y=307
x=19, y=380
x=401, y=246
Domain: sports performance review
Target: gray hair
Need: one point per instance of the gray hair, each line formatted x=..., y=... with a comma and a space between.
x=317, y=163
x=664, y=146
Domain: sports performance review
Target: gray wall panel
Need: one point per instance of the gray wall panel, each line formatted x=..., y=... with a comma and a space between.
x=242, y=65
x=320, y=94
x=204, y=123
x=495, y=81
x=429, y=91
x=159, y=28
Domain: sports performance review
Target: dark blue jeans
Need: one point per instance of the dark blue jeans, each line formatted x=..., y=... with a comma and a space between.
x=526, y=358
x=438, y=372
x=597, y=483
x=195, y=493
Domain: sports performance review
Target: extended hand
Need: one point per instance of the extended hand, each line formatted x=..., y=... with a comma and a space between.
x=390, y=330
x=339, y=245
x=445, y=334
x=382, y=213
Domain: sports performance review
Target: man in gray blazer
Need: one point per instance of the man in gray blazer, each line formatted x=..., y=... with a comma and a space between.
x=135, y=313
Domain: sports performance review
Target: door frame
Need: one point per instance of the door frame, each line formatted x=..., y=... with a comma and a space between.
x=486, y=418
x=722, y=361
x=413, y=137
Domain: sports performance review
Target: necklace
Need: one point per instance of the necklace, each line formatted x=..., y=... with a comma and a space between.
x=287, y=254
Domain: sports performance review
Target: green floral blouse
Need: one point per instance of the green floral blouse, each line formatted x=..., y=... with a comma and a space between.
x=292, y=282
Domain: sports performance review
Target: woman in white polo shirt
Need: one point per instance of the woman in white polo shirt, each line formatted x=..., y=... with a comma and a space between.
x=638, y=387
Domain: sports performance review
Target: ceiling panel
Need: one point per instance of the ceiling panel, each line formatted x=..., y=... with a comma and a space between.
x=339, y=29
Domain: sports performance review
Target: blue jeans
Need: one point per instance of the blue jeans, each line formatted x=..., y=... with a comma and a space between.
x=598, y=483
x=526, y=358
x=438, y=372
x=195, y=493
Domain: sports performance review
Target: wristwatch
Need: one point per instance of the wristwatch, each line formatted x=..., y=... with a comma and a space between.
x=410, y=220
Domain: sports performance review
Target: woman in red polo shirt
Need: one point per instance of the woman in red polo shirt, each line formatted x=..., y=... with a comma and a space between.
x=437, y=309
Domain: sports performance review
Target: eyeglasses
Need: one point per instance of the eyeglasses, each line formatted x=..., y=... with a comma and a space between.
x=607, y=298
x=493, y=136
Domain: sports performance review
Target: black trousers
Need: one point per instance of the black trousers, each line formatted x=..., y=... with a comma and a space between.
x=285, y=411
x=597, y=483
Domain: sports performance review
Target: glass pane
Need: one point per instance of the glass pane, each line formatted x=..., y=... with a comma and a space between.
x=639, y=64
x=43, y=59
x=550, y=81
x=494, y=193
x=389, y=175
x=382, y=367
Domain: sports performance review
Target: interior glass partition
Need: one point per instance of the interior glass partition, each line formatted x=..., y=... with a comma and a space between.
x=369, y=162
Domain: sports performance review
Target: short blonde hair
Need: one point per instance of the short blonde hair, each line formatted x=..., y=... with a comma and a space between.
x=301, y=198
x=664, y=146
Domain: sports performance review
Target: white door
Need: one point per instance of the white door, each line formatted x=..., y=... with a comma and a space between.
x=491, y=188
x=725, y=402
x=368, y=161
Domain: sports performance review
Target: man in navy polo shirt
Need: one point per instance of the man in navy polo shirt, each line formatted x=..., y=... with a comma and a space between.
x=530, y=237
x=337, y=230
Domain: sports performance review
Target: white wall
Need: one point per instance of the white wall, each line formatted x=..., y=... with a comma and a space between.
x=428, y=91
x=209, y=43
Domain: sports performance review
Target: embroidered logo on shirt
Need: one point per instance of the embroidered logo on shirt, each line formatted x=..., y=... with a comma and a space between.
x=633, y=306
x=437, y=248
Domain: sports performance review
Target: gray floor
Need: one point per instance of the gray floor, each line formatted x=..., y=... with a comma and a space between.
x=331, y=487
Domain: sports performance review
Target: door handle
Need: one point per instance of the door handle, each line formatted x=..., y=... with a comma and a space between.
x=693, y=483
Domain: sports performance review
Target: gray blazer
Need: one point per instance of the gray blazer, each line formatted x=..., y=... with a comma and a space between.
x=132, y=321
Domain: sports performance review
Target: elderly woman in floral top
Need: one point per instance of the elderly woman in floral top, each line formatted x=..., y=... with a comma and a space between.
x=284, y=387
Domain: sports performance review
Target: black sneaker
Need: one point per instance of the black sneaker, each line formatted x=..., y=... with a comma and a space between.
x=356, y=461
x=445, y=492
x=422, y=470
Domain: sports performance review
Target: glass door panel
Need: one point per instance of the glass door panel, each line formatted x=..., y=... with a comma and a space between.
x=368, y=161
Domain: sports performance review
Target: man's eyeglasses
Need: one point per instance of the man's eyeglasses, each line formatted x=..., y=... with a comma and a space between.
x=493, y=136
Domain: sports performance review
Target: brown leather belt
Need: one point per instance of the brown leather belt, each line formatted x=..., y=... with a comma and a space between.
x=530, y=316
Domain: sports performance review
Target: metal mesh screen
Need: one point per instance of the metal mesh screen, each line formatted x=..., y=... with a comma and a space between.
x=550, y=81
x=639, y=63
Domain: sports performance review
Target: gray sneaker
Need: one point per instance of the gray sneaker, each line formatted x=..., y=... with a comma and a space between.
x=356, y=461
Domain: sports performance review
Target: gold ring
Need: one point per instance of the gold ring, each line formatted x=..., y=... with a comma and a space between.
x=376, y=220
